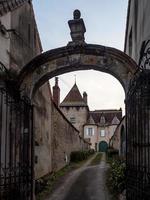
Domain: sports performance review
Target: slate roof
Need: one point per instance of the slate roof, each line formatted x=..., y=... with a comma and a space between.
x=73, y=98
x=90, y=120
x=107, y=114
x=10, y=5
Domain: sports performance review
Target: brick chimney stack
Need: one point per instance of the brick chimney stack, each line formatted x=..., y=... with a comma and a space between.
x=56, y=92
x=85, y=97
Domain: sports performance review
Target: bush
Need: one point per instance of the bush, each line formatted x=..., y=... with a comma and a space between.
x=76, y=156
x=91, y=151
x=111, y=153
x=117, y=177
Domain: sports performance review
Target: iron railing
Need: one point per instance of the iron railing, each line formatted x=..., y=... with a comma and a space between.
x=138, y=138
x=16, y=145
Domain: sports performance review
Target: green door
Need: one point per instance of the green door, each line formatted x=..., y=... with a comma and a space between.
x=103, y=146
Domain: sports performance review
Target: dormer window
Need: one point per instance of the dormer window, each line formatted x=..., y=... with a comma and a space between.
x=115, y=120
x=102, y=120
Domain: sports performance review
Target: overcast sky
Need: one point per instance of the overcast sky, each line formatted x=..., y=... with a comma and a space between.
x=105, y=24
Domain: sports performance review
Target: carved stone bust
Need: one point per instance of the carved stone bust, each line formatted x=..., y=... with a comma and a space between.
x=77, y=28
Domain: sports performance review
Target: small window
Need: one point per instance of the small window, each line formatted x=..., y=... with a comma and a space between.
x=72, y=120
x=102, y=133
x=90, y=132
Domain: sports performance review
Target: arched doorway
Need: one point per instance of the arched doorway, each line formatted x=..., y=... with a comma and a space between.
x=103, y=146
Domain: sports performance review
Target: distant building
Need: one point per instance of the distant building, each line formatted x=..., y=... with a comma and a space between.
x=75, y=108
x=95, y=126
x=100, y=127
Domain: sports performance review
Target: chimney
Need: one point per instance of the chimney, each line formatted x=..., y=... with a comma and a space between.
x=85, y=97
x=56, y=92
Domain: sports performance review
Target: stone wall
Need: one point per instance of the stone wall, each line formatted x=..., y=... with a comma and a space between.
x=118, y=141
x=65, y=139
x=55, y=136
x=42, y=131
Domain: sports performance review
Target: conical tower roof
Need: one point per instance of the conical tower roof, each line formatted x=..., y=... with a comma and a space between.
x=73, y=98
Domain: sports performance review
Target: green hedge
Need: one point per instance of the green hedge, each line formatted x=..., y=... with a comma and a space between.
x=111, y=153
x=117, y=175
x=76, y=156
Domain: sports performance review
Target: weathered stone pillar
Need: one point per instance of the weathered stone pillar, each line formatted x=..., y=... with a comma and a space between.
x=56, y=92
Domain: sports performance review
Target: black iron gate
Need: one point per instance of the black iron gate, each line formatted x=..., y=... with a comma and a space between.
x=138, y=138
x=16, y=145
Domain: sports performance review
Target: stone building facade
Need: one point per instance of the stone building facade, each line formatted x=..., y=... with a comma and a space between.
x=100, y=127
x=65, y=139
x=95, y=126
x=137, y=38
x=18, y=34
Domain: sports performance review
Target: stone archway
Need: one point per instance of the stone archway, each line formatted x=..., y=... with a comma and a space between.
x=73, y=58
x=77, y=55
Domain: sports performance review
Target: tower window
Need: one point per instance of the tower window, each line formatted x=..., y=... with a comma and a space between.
x=73, y=120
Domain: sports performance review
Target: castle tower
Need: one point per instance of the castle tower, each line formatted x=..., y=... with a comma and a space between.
x=75, y=108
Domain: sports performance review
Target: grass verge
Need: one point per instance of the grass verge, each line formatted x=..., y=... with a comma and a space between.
x=96, y=160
